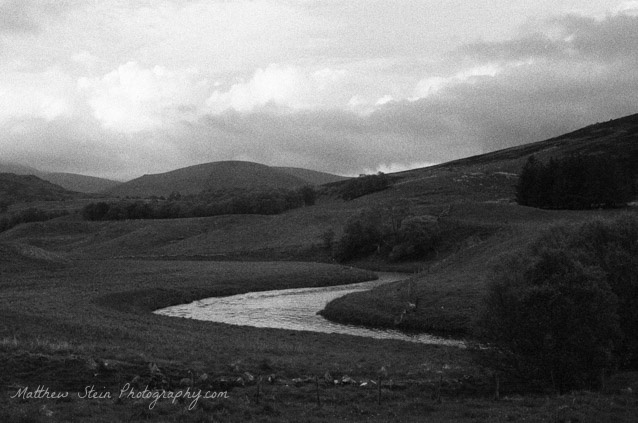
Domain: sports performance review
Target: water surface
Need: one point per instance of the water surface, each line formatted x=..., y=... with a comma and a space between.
x=294, y=309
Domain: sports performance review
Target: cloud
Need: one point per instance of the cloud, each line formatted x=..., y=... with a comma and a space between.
x=627, y=8
x=288, y=83
x=27, y=16
x=282, y=86
x=47, y=94
x=571, y=37
x=132, y=98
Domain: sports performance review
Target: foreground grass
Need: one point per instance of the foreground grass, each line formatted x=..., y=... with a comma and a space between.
x=89, y=323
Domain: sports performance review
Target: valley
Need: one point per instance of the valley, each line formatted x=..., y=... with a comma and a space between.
x=77, y=297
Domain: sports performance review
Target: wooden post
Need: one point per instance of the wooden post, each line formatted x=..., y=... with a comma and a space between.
x=258, y=390
x=317, y=385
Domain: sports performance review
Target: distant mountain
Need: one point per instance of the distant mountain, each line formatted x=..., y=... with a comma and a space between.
x=17, y=188
x=209, y=176
x=312, y=177
x=80, y=183
x=18, y=169
x=70, y=181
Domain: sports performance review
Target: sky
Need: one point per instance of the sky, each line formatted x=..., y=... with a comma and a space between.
x=121, y=88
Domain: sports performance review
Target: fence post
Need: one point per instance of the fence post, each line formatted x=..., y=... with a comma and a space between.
x=317, y=385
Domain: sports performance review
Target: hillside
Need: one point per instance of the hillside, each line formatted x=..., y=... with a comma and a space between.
x=209, y=176
x=312, y=177
x=80, y=183
x=478, y=190
x=616, y=138
x=16, y=188
x=69, y=181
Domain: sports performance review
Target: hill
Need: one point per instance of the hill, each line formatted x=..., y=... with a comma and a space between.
x=69, y=181
x=80, y=183
x=617, y=138
x=17, y=188
x=209, y=176
x=15, y=256
x=312, y=177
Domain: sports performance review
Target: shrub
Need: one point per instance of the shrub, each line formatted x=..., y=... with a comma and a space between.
x=364, y=184
x=309, y=195
x=566, y=309
x=361, y=236
x=416, y=237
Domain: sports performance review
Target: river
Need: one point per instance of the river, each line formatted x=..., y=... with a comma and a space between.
x=294, y=309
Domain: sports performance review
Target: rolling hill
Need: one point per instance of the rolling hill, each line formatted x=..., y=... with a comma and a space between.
x=17, y=188
x=69, y=181
x=215, y=176
x=312, y=177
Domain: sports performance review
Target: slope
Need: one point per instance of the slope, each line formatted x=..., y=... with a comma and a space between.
x=69, y=181
x=16, y=188
x=312, y=177
x=208, y=176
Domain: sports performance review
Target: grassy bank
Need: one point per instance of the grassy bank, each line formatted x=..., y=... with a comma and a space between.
x=445, y=297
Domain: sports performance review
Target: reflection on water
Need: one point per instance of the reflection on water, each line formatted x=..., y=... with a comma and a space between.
x=294, y=309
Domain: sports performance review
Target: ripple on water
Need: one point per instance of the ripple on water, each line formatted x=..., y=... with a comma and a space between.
x=294, y=309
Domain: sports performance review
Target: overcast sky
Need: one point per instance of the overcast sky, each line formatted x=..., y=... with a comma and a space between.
x=119, y=88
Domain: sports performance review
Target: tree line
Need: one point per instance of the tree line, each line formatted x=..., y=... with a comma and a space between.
x=575, y=182
x=205, y=204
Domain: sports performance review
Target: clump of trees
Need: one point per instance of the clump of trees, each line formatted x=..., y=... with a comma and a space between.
x=365, y=184
x=566, y=309
x=31, y=214
x=575, y=182
x=393, y=237
x=208, y=203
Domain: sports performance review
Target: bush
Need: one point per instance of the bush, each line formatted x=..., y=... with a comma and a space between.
x=565, y=309
x=309, y=195
x=365, y=184
x=416, y=237
x=361, y=236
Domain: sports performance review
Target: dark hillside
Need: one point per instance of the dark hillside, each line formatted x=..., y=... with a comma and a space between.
x=208, y=176
x=22, y=188
x=69, y=181
x=312, y=177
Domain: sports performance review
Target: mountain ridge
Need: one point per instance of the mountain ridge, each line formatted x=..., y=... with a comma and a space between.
x=70, y=181
x=217, y=175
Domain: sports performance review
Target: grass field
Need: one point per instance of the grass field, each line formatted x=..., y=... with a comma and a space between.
x=89, y=323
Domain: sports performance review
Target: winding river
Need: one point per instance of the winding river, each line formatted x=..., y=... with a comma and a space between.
x=294, y=309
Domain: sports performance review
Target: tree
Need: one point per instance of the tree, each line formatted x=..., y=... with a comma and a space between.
x=567, y=307
x=309, y=195
x=551, y=321
x=574, y=182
